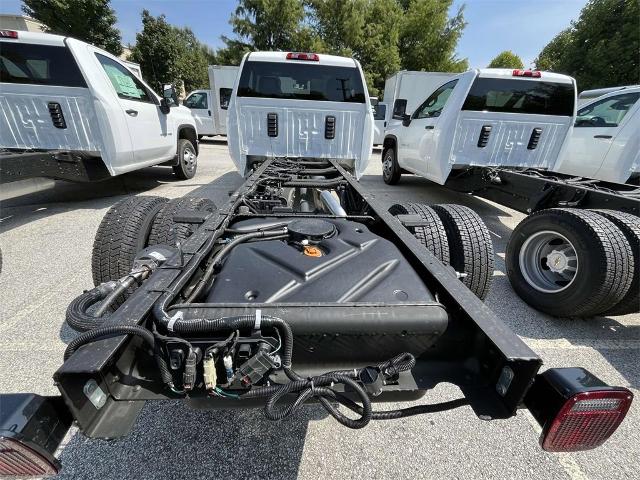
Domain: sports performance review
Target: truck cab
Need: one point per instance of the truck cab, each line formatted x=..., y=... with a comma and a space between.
x=487, y=117
x=605, y=141
x=300, y=105
x=73, y=111
x=209, y=107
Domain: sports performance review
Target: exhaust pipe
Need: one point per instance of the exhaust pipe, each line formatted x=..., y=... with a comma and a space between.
x=332, y=204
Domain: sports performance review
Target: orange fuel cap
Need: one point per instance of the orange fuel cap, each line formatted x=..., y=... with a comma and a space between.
x=311, y=251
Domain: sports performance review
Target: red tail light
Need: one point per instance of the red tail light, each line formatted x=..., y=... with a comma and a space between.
x=586, y=420
x=310, y=57
x=527, y=73
x=8, y=34
x=17, y=460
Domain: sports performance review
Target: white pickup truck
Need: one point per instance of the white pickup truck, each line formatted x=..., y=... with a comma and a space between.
x=209, y=107
x=71, y=111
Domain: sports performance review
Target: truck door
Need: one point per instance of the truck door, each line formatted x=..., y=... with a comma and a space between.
x=418, y=145
x=200, y=106
x=594, y=138
x=379, y=122
x=150, y=134
x=224, y=96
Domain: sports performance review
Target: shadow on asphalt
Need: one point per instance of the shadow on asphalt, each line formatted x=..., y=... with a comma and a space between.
x=170, y=440
x=67, y=196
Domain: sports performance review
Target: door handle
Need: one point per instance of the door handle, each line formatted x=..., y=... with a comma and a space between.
x=133, y=113
x=209, y=112
x=428, y=127
x=603, y=136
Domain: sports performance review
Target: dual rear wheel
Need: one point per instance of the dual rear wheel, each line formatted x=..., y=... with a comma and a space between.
x=458, y=237
x=135, y=223
x=577, y=263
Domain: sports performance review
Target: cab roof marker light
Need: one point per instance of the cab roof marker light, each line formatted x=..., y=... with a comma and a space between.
x=526, y=73
x=8, y=34
x=309, y=57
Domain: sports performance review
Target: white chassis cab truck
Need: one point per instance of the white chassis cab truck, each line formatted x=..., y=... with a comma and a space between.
x=72, y=111
x=488, y=117
x=499, y=134
x=209, y=107
x=605, y=142
x=300, y=288
x=282, y=107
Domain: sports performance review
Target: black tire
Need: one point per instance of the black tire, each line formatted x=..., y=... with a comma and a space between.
x=123, y=232
x=630, y=226
x=391, y=172
x=164, y=230
x=432, y=236
x=187, y=160
x=603, y=267
x=470, y=247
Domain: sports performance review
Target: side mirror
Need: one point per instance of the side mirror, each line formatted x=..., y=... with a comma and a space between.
x=406, y=120
x=169, y=98
x=165, y=107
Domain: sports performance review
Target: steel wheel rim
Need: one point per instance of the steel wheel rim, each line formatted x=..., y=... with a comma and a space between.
x=189, y=159
x=548, y=261
x=387, y=165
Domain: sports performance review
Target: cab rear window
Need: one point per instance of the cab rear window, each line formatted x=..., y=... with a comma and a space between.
x=507, y=95
x=38, y=65
x=301, y=81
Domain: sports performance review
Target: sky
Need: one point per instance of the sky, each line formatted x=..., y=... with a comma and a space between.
x=523, y=26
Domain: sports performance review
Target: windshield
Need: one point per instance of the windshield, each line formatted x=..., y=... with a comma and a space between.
x=38, y=64
x=301, y=81
x=520, y=96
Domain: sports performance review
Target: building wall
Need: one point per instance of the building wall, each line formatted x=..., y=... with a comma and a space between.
x=20, y=22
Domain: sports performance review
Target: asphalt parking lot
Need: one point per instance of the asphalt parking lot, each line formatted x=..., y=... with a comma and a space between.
x=46, y=240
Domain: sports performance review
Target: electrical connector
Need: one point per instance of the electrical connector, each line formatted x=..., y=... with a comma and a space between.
x=209, y=373
x=189, y=375
x=254, y=369
x=228, y=367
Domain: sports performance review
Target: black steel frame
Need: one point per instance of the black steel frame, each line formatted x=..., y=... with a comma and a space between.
x=492, y=366
x=529, y=190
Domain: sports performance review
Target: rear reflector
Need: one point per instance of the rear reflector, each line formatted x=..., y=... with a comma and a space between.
x=17, y=460
x=586, y=420
x=8, y=34
x=310, y=57
x=527, y=73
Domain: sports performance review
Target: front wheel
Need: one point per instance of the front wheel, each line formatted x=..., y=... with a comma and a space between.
x=187, y=160
x=390, y=168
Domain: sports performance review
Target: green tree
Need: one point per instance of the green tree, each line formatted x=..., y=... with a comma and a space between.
x=551, y=55
x=268, y=24
x=368, y=30
x=601, y=48
x=168, y=54
x=92, y=21
x=429, y=37
x=506, y=59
